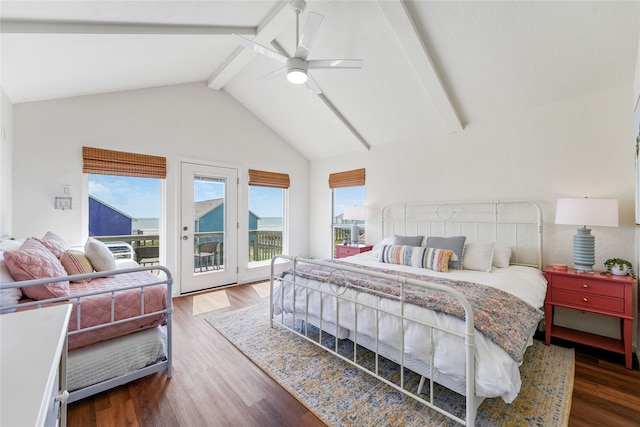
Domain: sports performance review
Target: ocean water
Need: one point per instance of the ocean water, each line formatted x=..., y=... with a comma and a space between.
x=270, y=223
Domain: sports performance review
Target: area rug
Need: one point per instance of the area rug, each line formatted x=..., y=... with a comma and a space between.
x=341, y=395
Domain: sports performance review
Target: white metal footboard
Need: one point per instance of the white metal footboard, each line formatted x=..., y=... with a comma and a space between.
x=333, y=325
x=159, y=366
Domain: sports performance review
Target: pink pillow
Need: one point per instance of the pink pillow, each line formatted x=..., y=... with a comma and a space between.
x=55, y=244
x=34, y=261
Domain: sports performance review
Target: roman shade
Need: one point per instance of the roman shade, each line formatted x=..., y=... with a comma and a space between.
x=351, y=178
x=268, y=179
x=109, y=162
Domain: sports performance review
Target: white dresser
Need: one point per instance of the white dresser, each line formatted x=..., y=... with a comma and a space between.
x=33, y=361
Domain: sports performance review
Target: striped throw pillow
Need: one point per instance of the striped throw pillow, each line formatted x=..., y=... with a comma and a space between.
x=76, y=262
x=420, y=257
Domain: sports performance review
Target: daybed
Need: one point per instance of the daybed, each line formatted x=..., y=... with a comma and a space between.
x=120, y=325
x=416, y=290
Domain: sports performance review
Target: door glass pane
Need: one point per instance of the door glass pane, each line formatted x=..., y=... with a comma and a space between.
x=266, y=216
x=209, y=223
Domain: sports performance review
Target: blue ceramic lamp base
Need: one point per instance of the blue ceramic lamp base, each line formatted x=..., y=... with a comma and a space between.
x=584, y=252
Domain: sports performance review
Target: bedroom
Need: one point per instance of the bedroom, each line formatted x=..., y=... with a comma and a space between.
x=532, y=128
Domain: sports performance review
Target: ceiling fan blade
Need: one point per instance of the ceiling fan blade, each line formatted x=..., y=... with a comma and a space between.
x=260, y=49
x=335, y=63
x=313, y=85
x=271, y=74
x=308, y=35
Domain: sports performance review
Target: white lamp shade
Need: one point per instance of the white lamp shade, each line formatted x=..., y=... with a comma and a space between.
x=587, y=212
x=297, y=76
x=355, y=213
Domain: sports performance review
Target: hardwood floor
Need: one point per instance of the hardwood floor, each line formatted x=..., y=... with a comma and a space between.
x=213, y=384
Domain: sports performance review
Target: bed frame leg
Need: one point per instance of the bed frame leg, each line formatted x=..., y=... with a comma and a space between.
x=421, y=384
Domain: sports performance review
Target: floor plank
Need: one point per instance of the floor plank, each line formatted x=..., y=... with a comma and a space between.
x=215, y=385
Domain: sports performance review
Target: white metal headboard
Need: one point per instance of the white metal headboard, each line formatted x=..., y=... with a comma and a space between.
x=517, y=224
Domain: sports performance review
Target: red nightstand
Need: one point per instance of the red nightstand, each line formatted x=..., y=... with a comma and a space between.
x=595, y=293
x=348, y=250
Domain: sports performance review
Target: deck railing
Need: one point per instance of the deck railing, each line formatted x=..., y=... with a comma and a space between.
x=263, y=245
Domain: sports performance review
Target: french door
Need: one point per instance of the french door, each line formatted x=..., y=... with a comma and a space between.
x=209, y=232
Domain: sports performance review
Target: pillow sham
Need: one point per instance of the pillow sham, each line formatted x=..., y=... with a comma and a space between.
x=99, y=255
x=34, y=261
x=54, y=243
x=420, y=257
x=375, y=251
x=478, y=256
x=76, y=262
x=8, y=296
x=407, y=240
x=501, y=256
x=456, y=244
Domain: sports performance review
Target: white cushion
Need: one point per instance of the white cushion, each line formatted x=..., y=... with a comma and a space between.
x=478, y=256
x=99, y=254
x=501, y=256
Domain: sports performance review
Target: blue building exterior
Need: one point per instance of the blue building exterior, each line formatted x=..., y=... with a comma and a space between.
x=105, y=220
x=210, y=217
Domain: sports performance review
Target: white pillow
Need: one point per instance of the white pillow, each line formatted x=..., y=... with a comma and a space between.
x=478, y=256
x=375, y=251
x=501, y=256
x=99, y=254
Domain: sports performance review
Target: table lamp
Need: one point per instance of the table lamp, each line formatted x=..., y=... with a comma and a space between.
x=586, y=212
x=355, y=213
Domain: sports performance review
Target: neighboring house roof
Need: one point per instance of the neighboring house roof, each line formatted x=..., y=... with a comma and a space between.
x=205, y=206
x=111, y=207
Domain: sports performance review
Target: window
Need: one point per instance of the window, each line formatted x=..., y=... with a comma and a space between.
x=347, y=189
x=266, y=214
x=124, y=200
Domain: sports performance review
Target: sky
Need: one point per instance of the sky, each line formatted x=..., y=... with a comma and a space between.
x=140, y=197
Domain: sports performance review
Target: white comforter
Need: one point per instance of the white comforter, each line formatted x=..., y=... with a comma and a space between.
x=497, y=374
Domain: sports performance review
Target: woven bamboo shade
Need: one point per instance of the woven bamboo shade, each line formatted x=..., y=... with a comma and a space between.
x=351, y=178
x=109, y=162
x=268, y=179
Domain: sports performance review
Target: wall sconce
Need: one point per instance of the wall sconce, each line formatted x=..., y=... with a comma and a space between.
x=64, y=202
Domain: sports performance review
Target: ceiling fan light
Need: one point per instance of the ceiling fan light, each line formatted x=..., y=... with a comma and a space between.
x=297, y=76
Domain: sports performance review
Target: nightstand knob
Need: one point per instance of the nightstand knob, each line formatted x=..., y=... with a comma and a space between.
x=585, y=299
x=584, y=285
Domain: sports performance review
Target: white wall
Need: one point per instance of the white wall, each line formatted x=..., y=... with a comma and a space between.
x=6, y=168
x=575, y=148
x=184, y=122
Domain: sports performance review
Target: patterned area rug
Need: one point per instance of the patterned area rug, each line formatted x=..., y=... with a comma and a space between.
x=341, y=395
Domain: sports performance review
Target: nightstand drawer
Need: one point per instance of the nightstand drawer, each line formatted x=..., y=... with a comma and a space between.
x=588, y=301
x=348, y=251
x=588, y=285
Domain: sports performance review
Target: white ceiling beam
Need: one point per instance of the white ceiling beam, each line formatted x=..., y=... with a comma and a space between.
x=15, y=26
x=405, y=30
x=266, y=32
x=344, y=121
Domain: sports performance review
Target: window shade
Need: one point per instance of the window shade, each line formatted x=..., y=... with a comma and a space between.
x=108, y=162
x=347, y=179
x=268, y=179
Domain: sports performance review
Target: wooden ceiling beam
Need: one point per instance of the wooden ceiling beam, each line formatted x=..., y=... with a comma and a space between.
x=272, y=27
x=17, y=26
x=418, y=56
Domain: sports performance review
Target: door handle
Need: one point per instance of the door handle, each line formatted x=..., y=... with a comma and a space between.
x=185, y=237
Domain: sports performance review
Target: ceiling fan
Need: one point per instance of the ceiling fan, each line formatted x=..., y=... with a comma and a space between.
x=297, y=66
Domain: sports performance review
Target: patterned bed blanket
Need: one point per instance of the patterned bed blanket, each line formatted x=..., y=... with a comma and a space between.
x=504, y=318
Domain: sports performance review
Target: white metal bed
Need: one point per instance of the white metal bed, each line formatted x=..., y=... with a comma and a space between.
x=517, y=224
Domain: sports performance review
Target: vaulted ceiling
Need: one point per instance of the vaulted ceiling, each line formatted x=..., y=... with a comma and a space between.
x=430, y=67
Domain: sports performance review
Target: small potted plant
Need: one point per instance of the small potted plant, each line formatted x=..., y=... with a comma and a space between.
x=619, y=267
